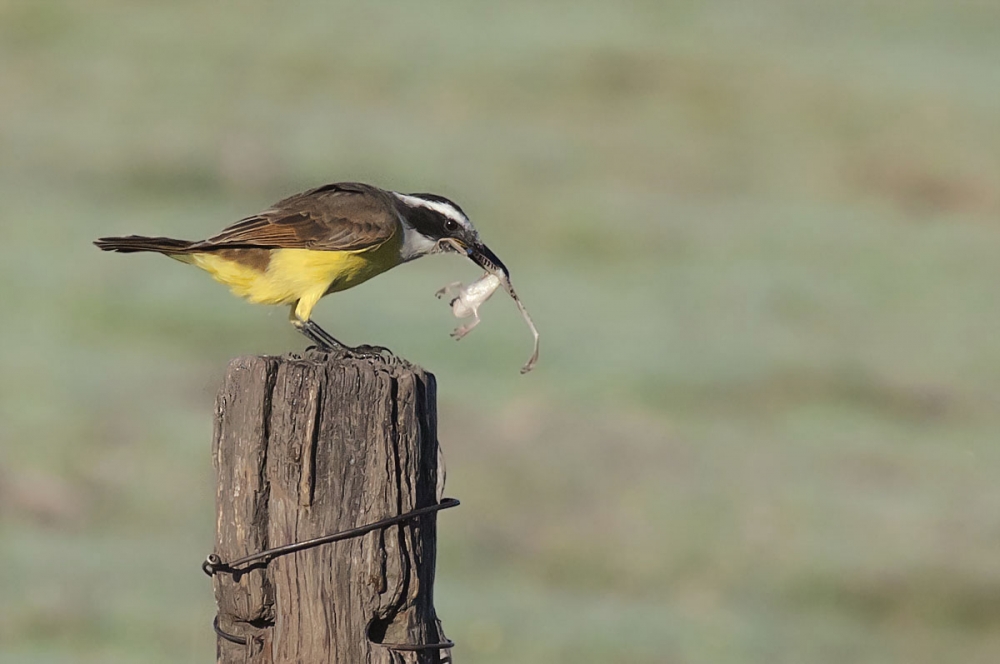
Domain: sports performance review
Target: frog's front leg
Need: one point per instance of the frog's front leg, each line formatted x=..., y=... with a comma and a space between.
x=455, y=286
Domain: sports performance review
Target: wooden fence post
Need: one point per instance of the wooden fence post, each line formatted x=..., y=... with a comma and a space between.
x=307, y=447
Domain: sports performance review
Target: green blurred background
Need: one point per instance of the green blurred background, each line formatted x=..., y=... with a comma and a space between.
x=760, y=240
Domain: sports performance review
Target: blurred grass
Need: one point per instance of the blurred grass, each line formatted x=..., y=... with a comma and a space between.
x=759, y=239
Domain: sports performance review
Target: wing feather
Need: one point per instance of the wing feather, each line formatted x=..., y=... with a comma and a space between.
x=335, y=217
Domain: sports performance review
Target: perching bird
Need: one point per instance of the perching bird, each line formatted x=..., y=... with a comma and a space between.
x=322, y=241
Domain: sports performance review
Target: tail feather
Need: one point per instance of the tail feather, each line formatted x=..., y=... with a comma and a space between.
x=133, y=243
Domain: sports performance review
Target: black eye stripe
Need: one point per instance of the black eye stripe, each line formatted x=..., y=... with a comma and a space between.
x=431, y=218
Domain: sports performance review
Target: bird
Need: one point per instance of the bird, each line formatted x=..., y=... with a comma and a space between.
x=321, y=241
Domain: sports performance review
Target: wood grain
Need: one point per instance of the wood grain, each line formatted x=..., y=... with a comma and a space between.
x=305, y=447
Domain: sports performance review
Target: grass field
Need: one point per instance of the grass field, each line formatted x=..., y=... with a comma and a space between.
x=760, y=241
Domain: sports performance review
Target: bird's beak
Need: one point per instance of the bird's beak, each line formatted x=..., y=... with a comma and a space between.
x=486, y=259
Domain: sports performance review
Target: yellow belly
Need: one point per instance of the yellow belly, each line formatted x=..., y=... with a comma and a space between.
x=300, y=276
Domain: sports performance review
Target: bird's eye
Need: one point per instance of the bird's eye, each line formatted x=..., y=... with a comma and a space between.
x=451, y=225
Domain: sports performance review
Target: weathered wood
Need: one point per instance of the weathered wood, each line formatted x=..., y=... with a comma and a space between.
x=305, y=447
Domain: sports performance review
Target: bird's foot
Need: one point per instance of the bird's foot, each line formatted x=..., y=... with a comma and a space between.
x=368, y=352
x=324, y=342
x=362, y=352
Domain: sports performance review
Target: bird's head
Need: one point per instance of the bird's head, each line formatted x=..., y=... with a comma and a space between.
x=433, y=224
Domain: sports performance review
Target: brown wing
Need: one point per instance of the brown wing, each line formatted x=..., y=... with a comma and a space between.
x=345, y=216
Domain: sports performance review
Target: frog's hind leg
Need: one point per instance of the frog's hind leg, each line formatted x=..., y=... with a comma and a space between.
x=460, y=332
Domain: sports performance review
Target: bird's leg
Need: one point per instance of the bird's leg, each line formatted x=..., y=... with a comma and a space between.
x=314, y=333
x=322, y=338
x=327, y=342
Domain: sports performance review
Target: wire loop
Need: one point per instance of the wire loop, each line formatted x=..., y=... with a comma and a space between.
x=238, y=640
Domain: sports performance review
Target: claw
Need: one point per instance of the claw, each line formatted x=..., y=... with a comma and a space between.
x=368, y=352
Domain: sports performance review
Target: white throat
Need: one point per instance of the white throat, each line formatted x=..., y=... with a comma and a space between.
x=414, y=244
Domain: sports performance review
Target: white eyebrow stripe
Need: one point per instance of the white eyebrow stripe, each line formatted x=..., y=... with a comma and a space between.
x=437, y=206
